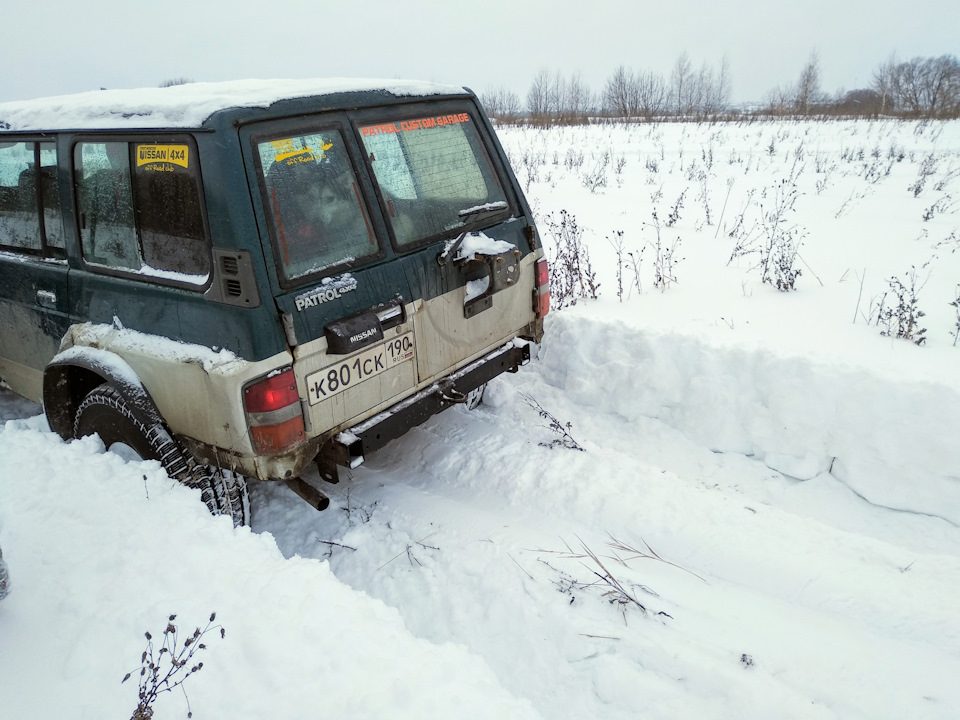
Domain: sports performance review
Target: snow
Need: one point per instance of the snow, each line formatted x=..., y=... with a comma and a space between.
x=479, y=243
x=776, y=484
x=185, y=105
x=171, y=275
x=108, y=363
x=330, y=288
x=488, y=207
x=102, y=343
x=476, y=288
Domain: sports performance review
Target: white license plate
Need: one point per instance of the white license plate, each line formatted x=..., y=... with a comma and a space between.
x=333, y=380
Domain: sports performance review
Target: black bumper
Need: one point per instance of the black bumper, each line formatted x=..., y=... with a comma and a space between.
x=348, y=447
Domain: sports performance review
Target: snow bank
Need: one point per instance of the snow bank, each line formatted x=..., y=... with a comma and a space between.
x=894, y=443
x=105, y=551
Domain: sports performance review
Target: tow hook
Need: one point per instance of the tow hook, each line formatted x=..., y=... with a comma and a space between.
x=448, y=393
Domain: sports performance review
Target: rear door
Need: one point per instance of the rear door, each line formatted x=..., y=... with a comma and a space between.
x=33, y=266
x=438, y=176
x=346, y=303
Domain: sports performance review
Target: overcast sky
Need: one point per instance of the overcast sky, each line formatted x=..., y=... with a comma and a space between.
x=51, y=47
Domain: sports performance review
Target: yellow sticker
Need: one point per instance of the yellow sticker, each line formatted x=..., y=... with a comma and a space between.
x=295, y=156
x=292, y=152
x=283, y=146
x=176, y=154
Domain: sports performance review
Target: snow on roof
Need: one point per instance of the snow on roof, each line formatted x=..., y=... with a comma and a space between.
x=185, y=105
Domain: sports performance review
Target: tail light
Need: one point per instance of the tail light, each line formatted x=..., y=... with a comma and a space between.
x=541, y=300
x=273, y=413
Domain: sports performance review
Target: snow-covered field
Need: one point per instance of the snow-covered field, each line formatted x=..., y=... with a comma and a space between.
x=775, y=482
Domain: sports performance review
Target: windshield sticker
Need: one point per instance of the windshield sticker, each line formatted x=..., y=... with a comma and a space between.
x=291, y=151
x=331, y=289
x=418, y=124
x=163, y=157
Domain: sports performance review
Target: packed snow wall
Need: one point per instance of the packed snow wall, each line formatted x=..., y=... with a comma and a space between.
x=895, y=442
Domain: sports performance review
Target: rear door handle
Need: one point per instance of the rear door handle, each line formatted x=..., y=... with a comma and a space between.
x=47, y=298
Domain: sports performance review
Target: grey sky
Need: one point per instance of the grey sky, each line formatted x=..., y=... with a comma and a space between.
x=49, y=47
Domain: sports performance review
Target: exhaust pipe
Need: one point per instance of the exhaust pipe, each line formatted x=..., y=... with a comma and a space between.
x=309, y=493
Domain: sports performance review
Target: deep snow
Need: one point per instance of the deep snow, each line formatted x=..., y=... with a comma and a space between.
x=782, y=483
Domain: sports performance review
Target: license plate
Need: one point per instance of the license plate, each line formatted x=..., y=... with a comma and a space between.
x=333, y=380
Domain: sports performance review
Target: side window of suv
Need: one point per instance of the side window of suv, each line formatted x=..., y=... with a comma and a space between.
x=105, y=198
x=50, y=199
x=29, y=204
x=141, y=209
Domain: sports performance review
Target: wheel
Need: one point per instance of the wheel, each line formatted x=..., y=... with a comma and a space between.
x=475, y=397
x=125, y=430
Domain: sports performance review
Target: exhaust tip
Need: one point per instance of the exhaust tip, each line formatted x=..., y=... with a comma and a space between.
x=308, y=492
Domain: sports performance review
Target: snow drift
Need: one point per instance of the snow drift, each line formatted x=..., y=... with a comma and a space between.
x=893, y=443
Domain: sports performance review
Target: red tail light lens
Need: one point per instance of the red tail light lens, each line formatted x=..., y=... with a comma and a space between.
x=271, y=393
x=543, y=273
x=543, y=304
x=273, y=414
x=543, y=288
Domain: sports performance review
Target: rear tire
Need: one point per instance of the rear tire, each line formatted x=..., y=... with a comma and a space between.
x=475, y=397
x=107, y=413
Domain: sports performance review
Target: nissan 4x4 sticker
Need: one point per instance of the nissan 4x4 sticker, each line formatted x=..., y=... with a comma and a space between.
x=333, y=380
x=160, y=156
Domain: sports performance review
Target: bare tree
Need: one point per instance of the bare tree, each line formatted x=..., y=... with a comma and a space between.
x=724, y=86
x=630, y=94
x=501, y=103
x=651, y=94
x=552, y=98
x=924, y=87
x=680, y=80
x=702, y=100
x=779, y=100
x=556, y=95
x=577, y=99
x=538, y=96
x=699, y=93
x=617, y=93
x=936, y=86
x=883, y=82
x=807, y=91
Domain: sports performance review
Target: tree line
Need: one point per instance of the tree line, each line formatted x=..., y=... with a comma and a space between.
x=923, y=87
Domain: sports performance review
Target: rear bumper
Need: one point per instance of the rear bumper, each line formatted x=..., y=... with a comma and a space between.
x=347, y=448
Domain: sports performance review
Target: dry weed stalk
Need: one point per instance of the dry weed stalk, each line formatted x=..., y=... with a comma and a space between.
x=614, y=590
x=170, y=667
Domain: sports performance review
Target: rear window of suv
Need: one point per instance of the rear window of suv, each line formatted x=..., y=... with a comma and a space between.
x=317, y=215
x=430, y=169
